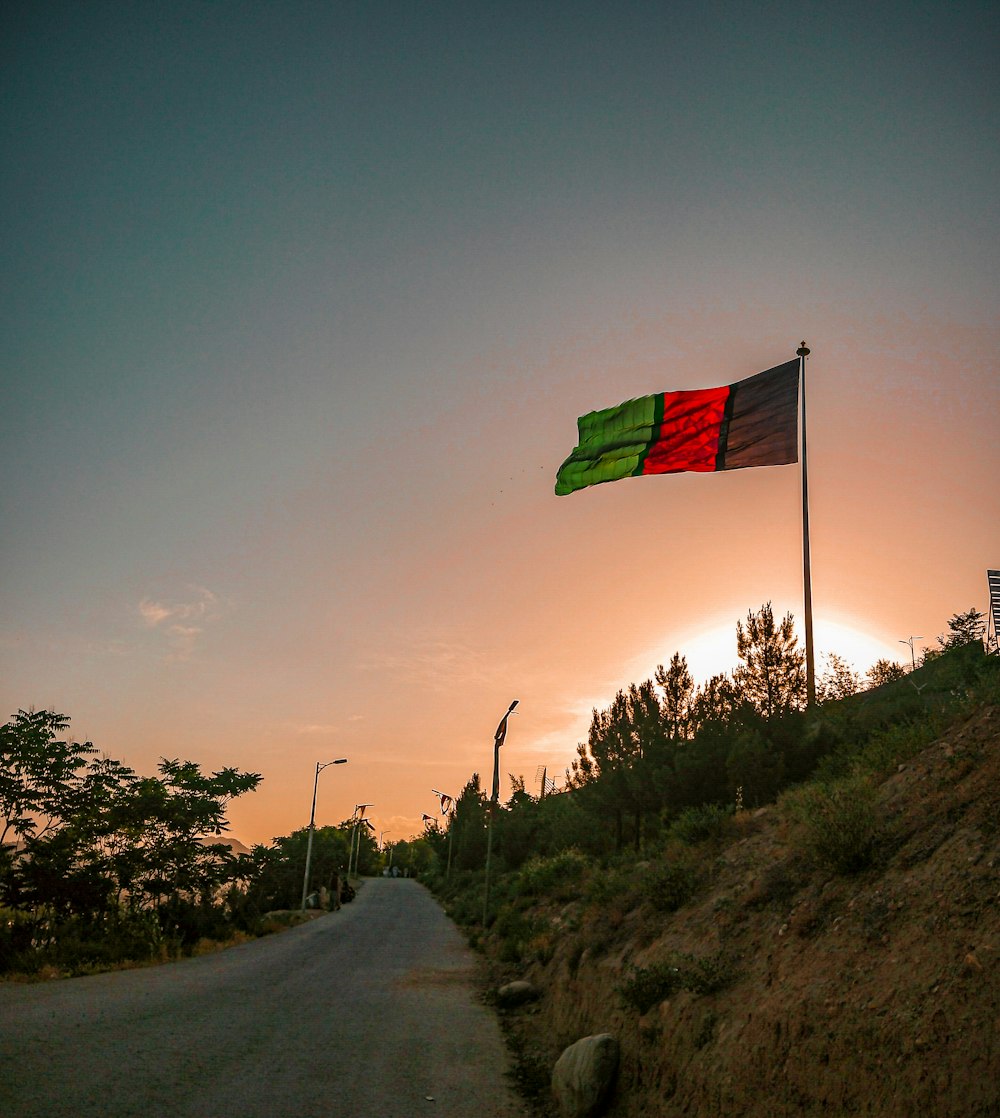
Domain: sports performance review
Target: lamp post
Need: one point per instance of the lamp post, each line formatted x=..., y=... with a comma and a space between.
x=354, y=837
x=312, y=824
x=446, y=809
x=913, y=658
x=498, y=739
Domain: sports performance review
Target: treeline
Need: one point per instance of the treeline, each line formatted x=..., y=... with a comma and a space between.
x=99, y=865
x=667, y=750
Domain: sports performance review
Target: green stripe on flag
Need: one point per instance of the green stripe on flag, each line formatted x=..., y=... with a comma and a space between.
x=612, y=444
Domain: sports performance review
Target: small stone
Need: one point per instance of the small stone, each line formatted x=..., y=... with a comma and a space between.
x=517, y=993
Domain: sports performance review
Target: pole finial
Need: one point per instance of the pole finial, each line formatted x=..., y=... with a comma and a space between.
x=802, y=351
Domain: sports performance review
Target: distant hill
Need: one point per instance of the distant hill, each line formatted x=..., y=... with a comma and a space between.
x=234, y=844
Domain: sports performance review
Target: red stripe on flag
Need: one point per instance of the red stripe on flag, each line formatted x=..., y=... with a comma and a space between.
x=689, y=433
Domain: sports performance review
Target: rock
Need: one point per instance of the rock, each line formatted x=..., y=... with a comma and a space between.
x=584, y=1074
x=517, y=993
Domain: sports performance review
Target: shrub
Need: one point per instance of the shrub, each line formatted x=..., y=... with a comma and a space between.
x=839, y=826
x=697, y=824
x=707, y=974
x=644, y=987
x=669, y=885
x=552, y=875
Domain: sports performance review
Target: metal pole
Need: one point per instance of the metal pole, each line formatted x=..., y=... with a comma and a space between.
x=312, y=826
x=309, y=843
x=451, y=839
x=913, y=655
x=498, y=740
x=803, y=352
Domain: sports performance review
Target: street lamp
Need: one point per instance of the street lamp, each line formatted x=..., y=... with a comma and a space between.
x=913, y=659
x=446, y=802
x=498, y=740
x=360, y=819
x=312, y=824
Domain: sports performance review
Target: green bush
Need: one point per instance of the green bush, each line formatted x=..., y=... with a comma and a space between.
x=17, y=933
x=838, y=822
x=644, y=987
x=669, y=885
x=697, y=824
x=555, y=875
x=707, y=974
x=77, y=944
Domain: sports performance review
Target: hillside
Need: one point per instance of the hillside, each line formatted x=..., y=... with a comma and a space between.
x=803, y=991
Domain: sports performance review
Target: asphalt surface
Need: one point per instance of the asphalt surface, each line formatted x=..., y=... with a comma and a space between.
x=370, y=1011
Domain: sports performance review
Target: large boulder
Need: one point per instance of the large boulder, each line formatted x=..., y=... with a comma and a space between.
x=584, y=1075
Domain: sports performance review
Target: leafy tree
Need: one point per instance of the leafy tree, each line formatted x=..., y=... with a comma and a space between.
x=714, y=702
x=517, y=826
x=275, y=873
x=469, y=821
x=772, y=676
x=838, y=681
x=39, y=773
x=678, y=697
x=625, y=750
x=964, y=628
x=884, y=671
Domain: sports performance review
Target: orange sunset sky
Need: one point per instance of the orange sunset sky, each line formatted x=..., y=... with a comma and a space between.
x=302, y=303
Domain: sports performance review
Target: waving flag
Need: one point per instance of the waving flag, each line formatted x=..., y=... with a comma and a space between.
x=753, y=422
x=446, y=801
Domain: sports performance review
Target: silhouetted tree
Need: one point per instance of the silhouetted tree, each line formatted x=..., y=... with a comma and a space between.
x=469, y=821
x=884, y=671
x=964, y=628
x=678, y=696
x=714, y=702
x=772, y=676
x=838, y=681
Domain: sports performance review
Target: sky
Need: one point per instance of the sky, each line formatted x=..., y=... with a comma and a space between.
x=301, y=303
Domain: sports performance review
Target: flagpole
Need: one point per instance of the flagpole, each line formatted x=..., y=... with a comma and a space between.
x=802, y=353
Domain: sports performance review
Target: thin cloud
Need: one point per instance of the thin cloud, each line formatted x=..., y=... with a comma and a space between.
x=435, y=664
x=181, y=622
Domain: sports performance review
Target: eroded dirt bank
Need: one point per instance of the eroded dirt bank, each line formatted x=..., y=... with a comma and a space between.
x=873, y=994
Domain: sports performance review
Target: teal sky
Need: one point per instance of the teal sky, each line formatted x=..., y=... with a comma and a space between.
x=301, y=302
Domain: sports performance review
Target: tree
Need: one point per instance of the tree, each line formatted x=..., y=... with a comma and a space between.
x=39, y=774
x=838, y=681
x=963, y=629
x=714, y=702
x=469, y=821
x=625, y=750
x=678, y=696
x=772, y=676
x=884, y=671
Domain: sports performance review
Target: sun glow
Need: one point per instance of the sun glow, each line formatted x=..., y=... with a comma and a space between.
x=713, y=651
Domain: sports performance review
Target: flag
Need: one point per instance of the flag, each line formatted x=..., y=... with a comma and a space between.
x=753, y=422
x=445, y=801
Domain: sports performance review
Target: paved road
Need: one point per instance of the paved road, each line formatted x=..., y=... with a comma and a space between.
x=370, y=1011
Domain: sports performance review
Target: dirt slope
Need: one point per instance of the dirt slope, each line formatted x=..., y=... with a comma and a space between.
x=877, y=994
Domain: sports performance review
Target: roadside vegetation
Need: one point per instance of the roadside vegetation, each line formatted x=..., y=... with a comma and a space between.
x=668, y=771
x=101, y=867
